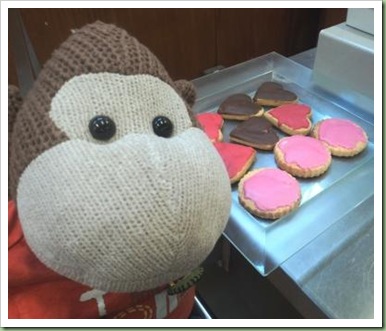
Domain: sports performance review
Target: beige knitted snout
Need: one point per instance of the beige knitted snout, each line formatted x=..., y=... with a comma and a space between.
x=128, y=216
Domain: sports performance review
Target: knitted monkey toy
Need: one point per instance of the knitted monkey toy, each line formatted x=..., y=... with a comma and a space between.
x=114, y=191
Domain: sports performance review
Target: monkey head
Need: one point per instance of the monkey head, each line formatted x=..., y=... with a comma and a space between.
x=115, y=186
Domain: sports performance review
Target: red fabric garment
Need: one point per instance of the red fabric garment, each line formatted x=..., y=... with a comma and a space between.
x=36, y=291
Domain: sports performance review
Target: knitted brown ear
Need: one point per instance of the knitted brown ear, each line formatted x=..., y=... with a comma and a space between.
x=14, y=104
x=187, y=91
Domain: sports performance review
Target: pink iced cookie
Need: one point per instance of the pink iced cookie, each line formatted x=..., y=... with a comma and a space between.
x=302, y=156
x=269, y=193
x=342, y=137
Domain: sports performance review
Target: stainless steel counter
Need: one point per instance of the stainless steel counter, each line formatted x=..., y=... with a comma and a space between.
x=324, y=251
x=336, y=271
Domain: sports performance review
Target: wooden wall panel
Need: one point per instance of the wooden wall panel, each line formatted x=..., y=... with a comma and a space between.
x=188, y=41
x=183, y=39
x=303, y=30
x=244, y=34
x=330, y=17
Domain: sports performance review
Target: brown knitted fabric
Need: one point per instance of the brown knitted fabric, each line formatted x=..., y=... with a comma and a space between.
x=95, y=48
x=188, y=93
x=14, y=104
x=186, y=90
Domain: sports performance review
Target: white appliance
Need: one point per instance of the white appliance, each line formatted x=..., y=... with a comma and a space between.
x=344, y=60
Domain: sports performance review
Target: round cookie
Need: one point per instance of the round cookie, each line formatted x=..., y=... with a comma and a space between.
x=269, y=193
x=302, y=156
x=237, y=159
x=211, y=124
x=343, y=137
x=291, y=118
x=239, y=107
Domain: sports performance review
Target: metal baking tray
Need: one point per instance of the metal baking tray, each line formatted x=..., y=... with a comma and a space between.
x=325, y=199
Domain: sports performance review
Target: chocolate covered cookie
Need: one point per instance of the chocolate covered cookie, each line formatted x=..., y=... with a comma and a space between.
x=255, y=132
x=239, y=107
x=273, y=94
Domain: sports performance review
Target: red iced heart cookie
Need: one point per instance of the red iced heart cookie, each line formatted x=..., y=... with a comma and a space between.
x=291, y=118
x=273, y=94
x=237, y=159
x=211, y=124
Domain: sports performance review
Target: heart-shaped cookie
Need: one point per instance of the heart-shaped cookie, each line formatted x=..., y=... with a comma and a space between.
x=239, y=107
x=237, y=159
x=273, y=94
x=255, y=132
x=291, y=118
x=211, y=124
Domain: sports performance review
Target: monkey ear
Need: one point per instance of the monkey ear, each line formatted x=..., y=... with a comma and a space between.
x=186, y=90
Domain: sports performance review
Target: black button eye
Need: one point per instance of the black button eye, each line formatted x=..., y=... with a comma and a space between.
x=102, y=127
x=162, y=126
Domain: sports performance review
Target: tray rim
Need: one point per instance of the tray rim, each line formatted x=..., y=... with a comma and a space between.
x=272, y=61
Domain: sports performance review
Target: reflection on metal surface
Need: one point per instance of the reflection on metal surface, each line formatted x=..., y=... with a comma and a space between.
x=201, y=310
x=336, y=271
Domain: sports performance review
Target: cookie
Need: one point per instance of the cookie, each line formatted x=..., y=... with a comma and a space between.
x=291, y=118
x=239, y=107
x=211, y=124
x=302, y=156
x=343, y=137
x=237, y=159
x=269, y=193
x=256, y=132
x=273, y=94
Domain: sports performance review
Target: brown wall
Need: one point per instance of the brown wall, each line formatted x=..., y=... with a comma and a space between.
x=188, y=41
